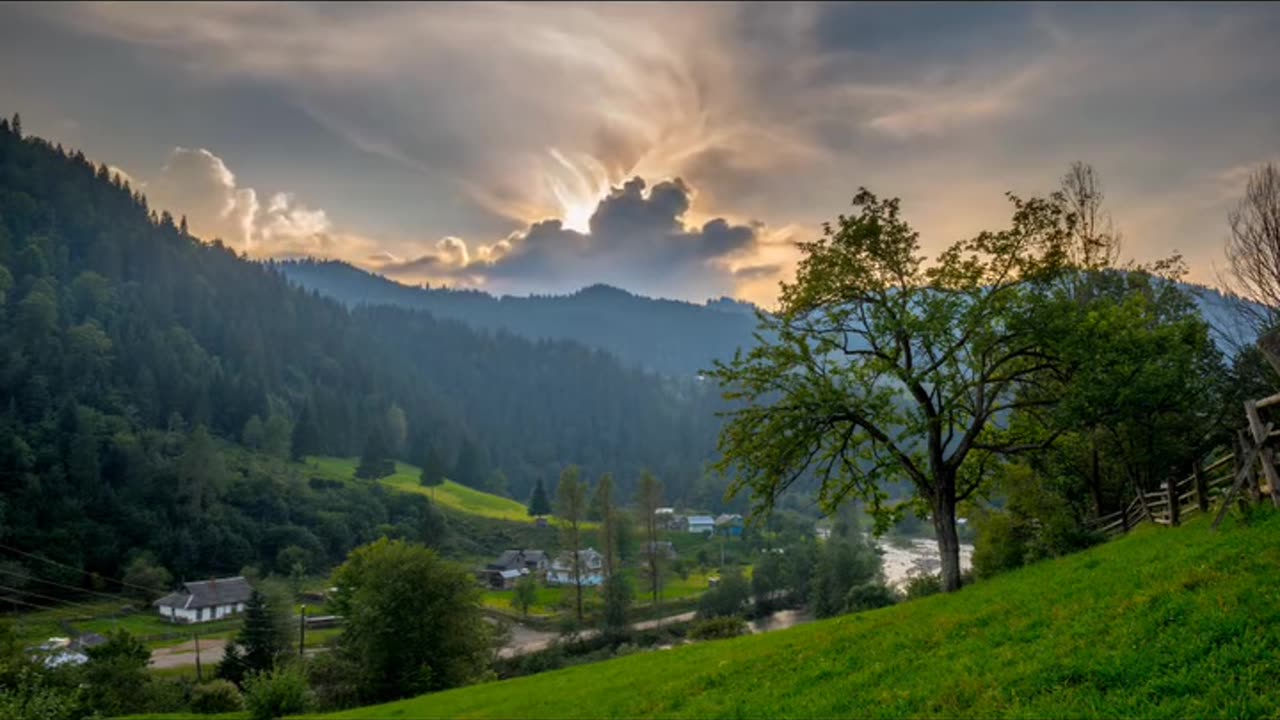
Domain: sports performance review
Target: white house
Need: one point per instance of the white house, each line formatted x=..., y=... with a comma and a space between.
x=205, y=600
x=702, y=524
x=590, y=569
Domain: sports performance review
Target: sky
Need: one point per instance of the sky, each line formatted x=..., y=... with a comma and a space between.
x=674, y=150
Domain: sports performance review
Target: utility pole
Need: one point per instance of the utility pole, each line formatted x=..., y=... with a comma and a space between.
x=199, y=674
x=302, y=630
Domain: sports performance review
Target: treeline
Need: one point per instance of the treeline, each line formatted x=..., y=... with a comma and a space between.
x=672, y=337
x=128, y=347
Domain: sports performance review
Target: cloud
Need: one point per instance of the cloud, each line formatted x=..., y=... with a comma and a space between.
x=638, y=238
x=197, y=184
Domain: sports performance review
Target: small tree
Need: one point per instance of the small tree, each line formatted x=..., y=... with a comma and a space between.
x=617, y=605
x=278, y=692
x=648, y=500
x=413, y=621
x=116, y=675
x=539, y=505
x=144, y=572
x=525, y=594
x=571, y=511
x=603, y=501
x=1253, y=250
x=729, y=597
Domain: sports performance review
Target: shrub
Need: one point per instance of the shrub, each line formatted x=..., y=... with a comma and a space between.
x=923, y=585
x=718, y=627
x=276, y=693
x=216, y=696
x=869, y=597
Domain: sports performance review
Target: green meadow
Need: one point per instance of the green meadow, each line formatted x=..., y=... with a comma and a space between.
x=1158, y=624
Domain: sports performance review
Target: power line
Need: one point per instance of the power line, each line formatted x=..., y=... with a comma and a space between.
x=48, y=598
x=74, y=569
x=38, y=579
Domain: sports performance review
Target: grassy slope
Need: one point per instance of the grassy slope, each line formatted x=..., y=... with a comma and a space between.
x=450, y=494
x=1163, y=623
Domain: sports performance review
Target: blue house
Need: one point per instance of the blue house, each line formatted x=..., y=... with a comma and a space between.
x=730, y=525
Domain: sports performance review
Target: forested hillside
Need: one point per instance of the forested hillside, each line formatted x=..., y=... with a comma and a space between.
x=668, y=336
x=134, y=358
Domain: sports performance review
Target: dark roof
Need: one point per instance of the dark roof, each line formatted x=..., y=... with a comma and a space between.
x=516, y=559
x=208, y=593
x=87, y=640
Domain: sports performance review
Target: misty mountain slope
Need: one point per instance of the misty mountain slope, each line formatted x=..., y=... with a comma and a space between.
x=668, y=336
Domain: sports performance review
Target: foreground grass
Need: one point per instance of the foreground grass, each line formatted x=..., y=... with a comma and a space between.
x=449, y=494
x=1159, y=624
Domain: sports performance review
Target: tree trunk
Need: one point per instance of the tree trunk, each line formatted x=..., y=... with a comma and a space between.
x=944, y=524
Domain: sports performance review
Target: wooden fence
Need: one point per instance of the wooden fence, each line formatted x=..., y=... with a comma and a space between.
x=1250, y=470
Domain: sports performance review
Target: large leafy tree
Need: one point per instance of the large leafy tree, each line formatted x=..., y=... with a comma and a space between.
x=879, y=367
x=413, y=622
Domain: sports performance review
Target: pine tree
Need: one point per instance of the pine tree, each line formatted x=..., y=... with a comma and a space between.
x=16, y=125
x=432, y=468
x=539, y=504
x=648, y=498
x=470, y=469
x=306, y=435
x=256, y=646
x=374, y=461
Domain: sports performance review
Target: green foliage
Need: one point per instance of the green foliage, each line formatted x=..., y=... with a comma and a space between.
x=432, y=468
x=525, y=594
x=216, y=696
x=571, y=513
x=718, y=628
x=539, y=505
x=648, y=500
x=1036, y=523
x=253, y=434
x=375, y=460
x=278, y=692
x=922, y=585
x=412, y=621
x=617, y=605
x=143, y=572
x=266, y=635
x=1191, y=634
x=115, y=678
x=728, y=598
x=880, y=368
x=869, y=596
x=472, y=467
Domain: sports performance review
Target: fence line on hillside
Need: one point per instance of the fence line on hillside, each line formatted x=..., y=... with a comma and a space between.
x=1250, y=469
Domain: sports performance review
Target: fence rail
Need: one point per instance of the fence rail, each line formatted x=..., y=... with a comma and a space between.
x=1249, y=469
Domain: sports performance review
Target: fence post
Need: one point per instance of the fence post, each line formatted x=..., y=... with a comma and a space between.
x=1171, y=492
x=1202, y=488
x=302, y=631
x=199, y=674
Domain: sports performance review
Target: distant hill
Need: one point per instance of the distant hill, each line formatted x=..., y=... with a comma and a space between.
x=1160, y=623
x=667, y=336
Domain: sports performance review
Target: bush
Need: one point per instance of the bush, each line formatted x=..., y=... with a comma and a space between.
x=923, y=585
x=279, y=692
x=718, y=627
x=216, y=696
x=869, y=597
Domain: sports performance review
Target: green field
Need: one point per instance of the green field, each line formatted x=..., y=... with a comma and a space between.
x=406, y=478
x=1160, y=623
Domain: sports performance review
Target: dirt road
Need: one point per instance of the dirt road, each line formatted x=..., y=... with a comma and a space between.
x=184, y=655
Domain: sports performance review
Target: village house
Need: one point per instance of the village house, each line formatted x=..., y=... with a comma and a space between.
x=205, y=600
x=702, y=524
x=729, y=525
x=590, y=569
x=511, y=565
x=664, y=549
